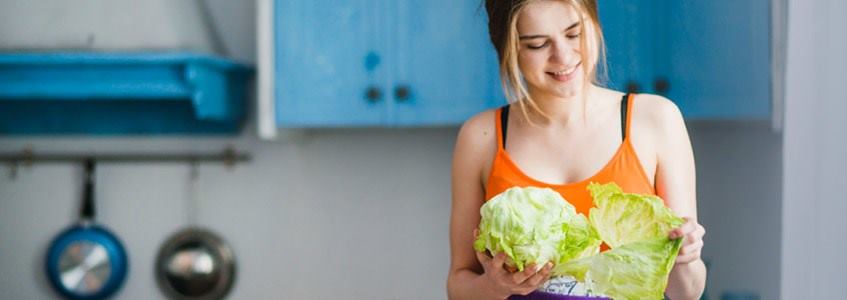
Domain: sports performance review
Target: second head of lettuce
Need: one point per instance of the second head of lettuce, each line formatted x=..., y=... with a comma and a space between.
x=641, y=256
x=534, y=226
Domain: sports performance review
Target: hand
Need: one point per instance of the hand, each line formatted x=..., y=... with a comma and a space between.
x=692, y=243
x=506, y=283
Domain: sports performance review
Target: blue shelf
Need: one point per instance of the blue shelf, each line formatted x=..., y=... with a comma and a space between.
x=121, y=93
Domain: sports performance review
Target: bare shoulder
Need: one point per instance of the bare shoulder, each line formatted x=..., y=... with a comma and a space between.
x=656, y=110
x=476, y=143
x=480, y=125
x=660, y=127
x=478, y=132
x=657, y=116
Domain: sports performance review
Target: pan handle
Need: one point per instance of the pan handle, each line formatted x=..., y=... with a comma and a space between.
x=88, y=211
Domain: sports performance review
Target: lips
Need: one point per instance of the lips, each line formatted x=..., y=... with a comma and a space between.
x=566, y=74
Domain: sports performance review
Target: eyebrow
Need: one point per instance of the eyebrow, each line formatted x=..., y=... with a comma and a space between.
x=529, y=37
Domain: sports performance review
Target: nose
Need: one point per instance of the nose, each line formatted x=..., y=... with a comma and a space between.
x=562, y=53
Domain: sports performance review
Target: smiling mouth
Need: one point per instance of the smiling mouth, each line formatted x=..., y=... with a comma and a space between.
x=565, y=75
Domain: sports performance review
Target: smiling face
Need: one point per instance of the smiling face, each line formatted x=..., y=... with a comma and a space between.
x=550, y=51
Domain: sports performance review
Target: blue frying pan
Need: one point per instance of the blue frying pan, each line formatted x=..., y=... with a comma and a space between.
x=86, y=261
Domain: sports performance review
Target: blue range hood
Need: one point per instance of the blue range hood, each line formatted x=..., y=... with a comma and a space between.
x=97, y=93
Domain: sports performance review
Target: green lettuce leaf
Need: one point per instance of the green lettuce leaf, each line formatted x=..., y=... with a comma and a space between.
x=641, y=256
x=622, y=218
x=581, y=240
x=534, y=225
x=633, y=271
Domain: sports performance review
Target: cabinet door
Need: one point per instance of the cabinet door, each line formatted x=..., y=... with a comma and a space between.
x=720, y=58
x=329, y=63
x=635, y=35
x=446, y=68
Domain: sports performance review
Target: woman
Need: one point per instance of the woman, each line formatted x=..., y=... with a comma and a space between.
x=563, y=130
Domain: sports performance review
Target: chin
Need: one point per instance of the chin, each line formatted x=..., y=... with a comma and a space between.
x=566, y=90
x=559, y=89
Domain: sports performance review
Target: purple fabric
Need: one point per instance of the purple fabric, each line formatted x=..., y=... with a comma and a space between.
x=548, y=296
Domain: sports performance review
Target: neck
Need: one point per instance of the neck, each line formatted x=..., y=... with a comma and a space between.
x=561, y=110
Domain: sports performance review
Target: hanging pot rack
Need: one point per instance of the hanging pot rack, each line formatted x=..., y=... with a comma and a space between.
x=228, y=156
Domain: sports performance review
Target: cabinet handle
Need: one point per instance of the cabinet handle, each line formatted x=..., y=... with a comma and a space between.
x=661, y=86
x=402, y=93
x=632, y=87
x=373, y=94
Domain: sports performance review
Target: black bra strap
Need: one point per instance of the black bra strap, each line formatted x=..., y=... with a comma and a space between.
x=623, y=115
x=504, y=123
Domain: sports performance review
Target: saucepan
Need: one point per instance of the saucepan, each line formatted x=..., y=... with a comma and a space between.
x=195, y=263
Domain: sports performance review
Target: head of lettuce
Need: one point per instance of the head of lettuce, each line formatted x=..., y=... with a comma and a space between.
x=535, y=225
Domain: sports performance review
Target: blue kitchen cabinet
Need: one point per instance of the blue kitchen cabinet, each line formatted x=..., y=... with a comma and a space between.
x=330, y=68
x=721, y=59
x=382, y=63
x=634, y=32
x=445, y=68
x=712, y=58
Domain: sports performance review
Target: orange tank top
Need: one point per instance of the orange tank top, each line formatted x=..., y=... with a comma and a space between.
x=624, y=168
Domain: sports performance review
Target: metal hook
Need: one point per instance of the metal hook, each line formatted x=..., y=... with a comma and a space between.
x=193, y=190
x=26, y=159
x=229, y=157
x=28, y=155
x=13, y=170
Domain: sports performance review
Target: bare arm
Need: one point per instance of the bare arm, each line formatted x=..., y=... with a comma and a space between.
x=465, y=280
x=675, y=182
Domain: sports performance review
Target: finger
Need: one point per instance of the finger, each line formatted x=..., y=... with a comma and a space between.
x=683, y=230
x=548, y=270
x=483, y=258
x=533, y=283
x=498, y=260
x=694, y=236
x=520, y=277
x=688, y=240
x=539, y=277
x=475, y=234
x=687, y=258
x=691, y=248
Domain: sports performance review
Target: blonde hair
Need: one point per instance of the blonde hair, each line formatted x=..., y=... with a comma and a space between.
x=512, y=80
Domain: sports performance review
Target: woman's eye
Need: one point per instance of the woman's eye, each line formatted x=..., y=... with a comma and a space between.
x=573, y=36
x=531, y=46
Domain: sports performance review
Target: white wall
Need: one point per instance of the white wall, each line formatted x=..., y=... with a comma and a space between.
x=103, y=25
x=359, y=214
x=738, y=188
x=814, y=152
